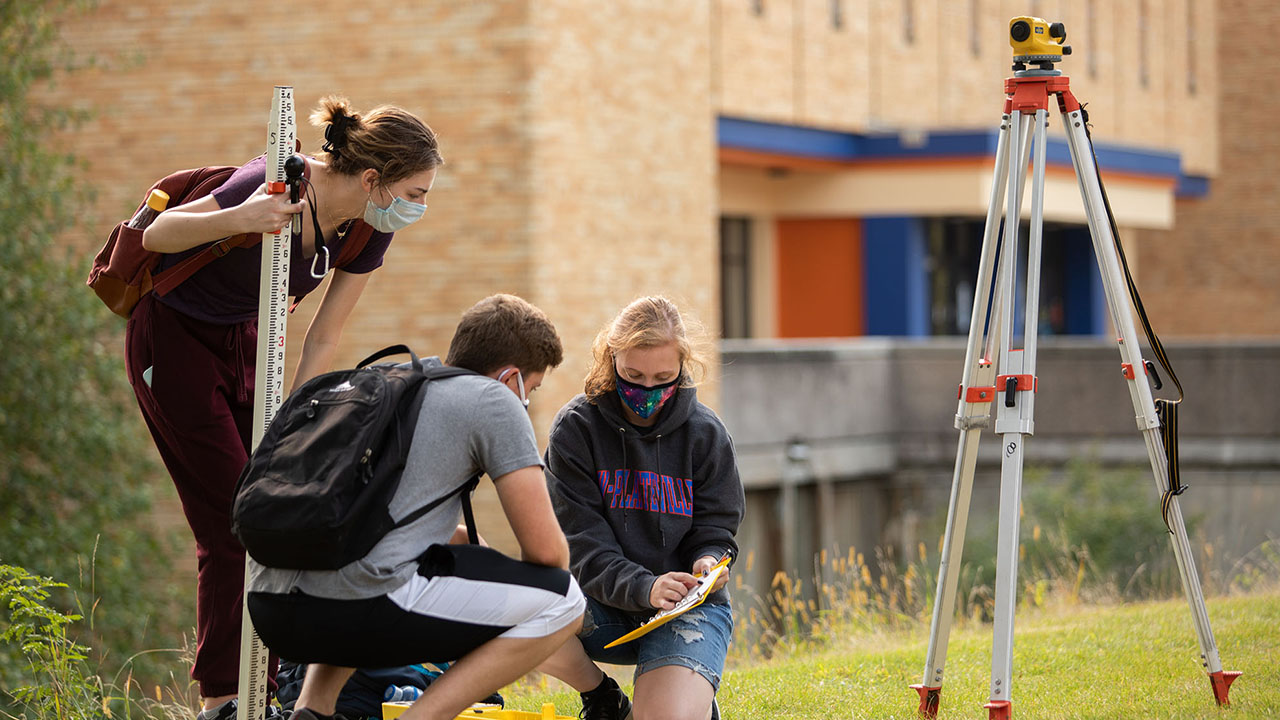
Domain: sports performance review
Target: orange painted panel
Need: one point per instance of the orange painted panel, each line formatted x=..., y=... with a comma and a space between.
x=820, y=285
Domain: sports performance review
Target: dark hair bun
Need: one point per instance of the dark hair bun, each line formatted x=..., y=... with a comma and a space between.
x=336, y=115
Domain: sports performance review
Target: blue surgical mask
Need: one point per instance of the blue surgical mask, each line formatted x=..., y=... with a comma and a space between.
x=399, y=215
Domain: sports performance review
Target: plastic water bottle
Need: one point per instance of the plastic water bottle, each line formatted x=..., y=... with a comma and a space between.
x=401, y=693
x=157, y=201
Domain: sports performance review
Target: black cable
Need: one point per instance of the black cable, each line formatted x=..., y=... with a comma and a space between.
x=1166, y=410
x=310, y=192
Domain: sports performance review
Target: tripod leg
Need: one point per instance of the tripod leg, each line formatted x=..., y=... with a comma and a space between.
x=1000, y=697
x=1014, y=387
x=977, y=391
x=1140, y=391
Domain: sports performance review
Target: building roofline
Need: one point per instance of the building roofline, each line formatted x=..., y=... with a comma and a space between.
x=820, y=147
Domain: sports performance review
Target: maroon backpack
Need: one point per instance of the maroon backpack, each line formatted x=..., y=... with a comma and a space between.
x=124, y=271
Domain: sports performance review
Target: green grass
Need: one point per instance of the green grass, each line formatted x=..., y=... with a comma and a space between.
x=1127, y=661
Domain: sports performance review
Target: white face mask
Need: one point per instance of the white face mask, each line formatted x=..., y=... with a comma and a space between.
x=524, y=398
x=399, y=215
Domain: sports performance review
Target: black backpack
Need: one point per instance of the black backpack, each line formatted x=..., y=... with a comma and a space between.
x=315, y=493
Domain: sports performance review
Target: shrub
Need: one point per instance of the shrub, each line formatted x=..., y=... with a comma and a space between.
x=1091, y=532
x=57, y=680
x=76, y=467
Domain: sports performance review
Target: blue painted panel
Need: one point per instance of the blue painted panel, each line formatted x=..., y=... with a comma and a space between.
x=1119, y=158
x=1192, y=186
x=954, y=144
x=786, y=139
x=896, y=283
x=1101, y=316
x=1088, y=295
x=842, y=146
x=916, y=281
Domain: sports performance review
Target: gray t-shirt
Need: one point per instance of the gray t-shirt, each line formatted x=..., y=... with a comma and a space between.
x=467, y=424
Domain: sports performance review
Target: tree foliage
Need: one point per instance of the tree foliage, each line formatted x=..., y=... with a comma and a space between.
x=75, y=468
x=59, y=686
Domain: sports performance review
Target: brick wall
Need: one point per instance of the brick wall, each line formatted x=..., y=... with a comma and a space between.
x=578, y=140
x=1214, y=273
x=921, y=64
x=755, y=63
x=834, y=80
x=190, y=84
x=1149, y=72
x=623, y=165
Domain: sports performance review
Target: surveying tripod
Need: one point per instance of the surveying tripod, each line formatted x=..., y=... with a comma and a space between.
x=995, y=371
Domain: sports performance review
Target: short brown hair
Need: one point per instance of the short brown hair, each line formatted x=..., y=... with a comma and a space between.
x=388, y=139
x=647, y=322
x=505, y=330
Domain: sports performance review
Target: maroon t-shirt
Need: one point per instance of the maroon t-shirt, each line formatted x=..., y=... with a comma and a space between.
x=225, y=291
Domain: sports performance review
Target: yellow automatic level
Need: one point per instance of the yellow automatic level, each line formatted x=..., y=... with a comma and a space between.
x=1035, y=40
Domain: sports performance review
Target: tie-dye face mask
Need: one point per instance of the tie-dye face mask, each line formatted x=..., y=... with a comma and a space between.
x=645, y=401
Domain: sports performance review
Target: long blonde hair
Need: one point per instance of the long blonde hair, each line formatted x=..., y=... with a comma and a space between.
x=647, y=322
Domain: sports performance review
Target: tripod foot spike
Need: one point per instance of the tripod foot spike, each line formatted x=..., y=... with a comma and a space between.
x=1221, y=683
x=999, y=710
x=929, y=700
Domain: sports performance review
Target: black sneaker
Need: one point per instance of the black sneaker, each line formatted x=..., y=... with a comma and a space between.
x=606, y=702
x=305, y=714
x=225, y=711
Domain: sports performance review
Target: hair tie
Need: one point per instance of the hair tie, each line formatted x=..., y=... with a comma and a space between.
x=335, y=136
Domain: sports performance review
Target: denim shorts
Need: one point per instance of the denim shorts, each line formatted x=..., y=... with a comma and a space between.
x=698, y=639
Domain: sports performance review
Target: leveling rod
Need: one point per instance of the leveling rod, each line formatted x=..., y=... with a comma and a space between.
x=268, y=390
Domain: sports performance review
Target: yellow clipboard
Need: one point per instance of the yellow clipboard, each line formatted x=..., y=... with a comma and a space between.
x=687, y=603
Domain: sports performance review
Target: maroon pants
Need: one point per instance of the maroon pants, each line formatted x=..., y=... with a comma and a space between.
x=199, y=408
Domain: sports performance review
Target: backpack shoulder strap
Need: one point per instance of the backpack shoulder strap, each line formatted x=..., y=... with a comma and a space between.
x=183, y=187
x=468, y=517
x=357, y=237
x=193, y=184
x=438, y=373
x=401, y=349
x=205, y=181
x=465, y=489
x=174, y=276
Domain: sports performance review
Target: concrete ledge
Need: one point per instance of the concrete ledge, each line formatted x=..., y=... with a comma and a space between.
x=873, y=406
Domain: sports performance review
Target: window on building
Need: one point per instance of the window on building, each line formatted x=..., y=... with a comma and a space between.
x=909, y=21
x=1192, y=80
x=837, y=14
x=735, y=277
x=1091, y=27
x=975, y=30
x=955, y=247
x=757, y=7
x=1068, y=277
x=1144, y=27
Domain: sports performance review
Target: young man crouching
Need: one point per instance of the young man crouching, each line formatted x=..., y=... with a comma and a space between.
x=417, y=598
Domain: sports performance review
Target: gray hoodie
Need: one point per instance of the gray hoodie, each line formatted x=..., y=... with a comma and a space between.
x=635, y=503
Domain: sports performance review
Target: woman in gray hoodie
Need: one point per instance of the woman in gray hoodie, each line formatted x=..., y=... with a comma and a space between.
x=645, y=485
